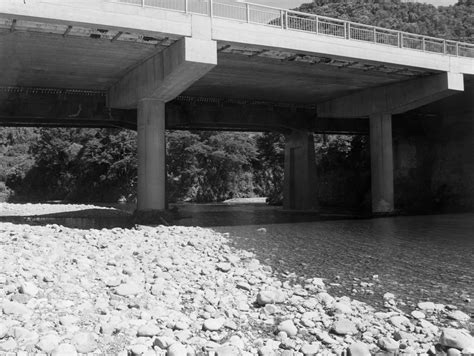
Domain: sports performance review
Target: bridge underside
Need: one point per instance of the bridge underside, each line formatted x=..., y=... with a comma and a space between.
x=69, y=74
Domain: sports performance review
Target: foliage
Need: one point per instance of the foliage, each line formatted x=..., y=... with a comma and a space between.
x=269, y=168
x=455, y=22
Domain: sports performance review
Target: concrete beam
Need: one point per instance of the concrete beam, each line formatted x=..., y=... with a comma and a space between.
x=394, y=98
x=165, y=75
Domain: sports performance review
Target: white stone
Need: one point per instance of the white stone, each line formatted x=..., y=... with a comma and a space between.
x=48, y=343
x=457, y=338
x=64, y=350
x=288, y=327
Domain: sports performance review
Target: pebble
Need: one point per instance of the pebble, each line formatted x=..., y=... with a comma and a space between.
x=344, y=327
x=388, y=344
x=48, y=343
x=3, y=330
x=177, y=349
x=310, y=349
x=15, y=308
x=84, y=342
x=288, y=327
x=270, y=297
x=456, y=338
x=428, y=306
x=214, y=324
x=458, y=315
x=148, y=330
x=64, y=350
x=358, y=349
x=128, y=289
x=418, y=314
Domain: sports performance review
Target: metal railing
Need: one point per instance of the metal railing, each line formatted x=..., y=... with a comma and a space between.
x=320, y=25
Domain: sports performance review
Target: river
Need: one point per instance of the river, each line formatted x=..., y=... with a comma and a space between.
x=417, y=258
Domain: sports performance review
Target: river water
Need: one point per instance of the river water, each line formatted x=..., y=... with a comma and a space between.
x=417, y=258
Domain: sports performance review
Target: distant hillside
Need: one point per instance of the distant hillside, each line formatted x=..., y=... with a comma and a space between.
x=454, y=22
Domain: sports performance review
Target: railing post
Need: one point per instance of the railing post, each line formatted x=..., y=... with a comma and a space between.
x=457, y=48
x=375, y=35
x=345, y=29
x=143, y=3
x=211, y=10
x=186, y=6
x=317, y=24
x=348, y=30
x=400, y=39
x=423, y=45
x=247, y=11
x=282, y=19
x=444, y=46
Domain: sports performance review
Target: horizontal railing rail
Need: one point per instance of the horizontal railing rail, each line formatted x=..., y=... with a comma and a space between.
x=305, y=22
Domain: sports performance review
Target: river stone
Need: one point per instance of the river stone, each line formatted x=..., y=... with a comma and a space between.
x=8, y=345
x=148, y=330
x=400, y=321
x=453, y=352
x=418, y=314
x=270, y=297
x=224, y=266
x=310, y=349
x=458, y=315
x=3, y=330
x=388, y=344
x=16, y=308
x=177, y=349
x=214, y=324
x=29, y=288
x=344, y=327
x=428, y=306
x=288, y=327
x=48, y=343
x=163, y=342
x=342, y=308
x=358, y=349
x=228, y=350
x=64, y=350
x=138, y=349
x=128, y=289
x=459, y=339
x=84, y=342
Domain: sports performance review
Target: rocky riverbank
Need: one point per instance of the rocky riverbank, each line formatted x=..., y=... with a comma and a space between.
x=185, y=291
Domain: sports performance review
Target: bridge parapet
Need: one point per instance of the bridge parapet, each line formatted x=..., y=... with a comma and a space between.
x=305, y=22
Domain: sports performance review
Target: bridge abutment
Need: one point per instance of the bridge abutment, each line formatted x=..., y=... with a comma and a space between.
x=299, y=191
x=381, y=163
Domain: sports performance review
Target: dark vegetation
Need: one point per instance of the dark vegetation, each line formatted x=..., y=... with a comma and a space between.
x=100, y=164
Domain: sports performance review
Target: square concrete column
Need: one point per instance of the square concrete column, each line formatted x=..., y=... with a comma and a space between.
x=151, y=156
x=381, y=160
x=299, y=190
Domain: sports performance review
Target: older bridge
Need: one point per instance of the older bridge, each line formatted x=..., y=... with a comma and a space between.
x=218, y=64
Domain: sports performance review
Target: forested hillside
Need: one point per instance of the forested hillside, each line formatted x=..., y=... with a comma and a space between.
x=454, y=22
x=100, y=164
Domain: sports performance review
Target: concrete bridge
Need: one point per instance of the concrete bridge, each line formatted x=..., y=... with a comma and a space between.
x=216, y=64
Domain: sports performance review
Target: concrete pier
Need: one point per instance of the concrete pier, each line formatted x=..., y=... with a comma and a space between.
x=381, y=159
x=299, y=191
x=151, y=193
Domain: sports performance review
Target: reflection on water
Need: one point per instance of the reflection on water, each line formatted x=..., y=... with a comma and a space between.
x=416, y=258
